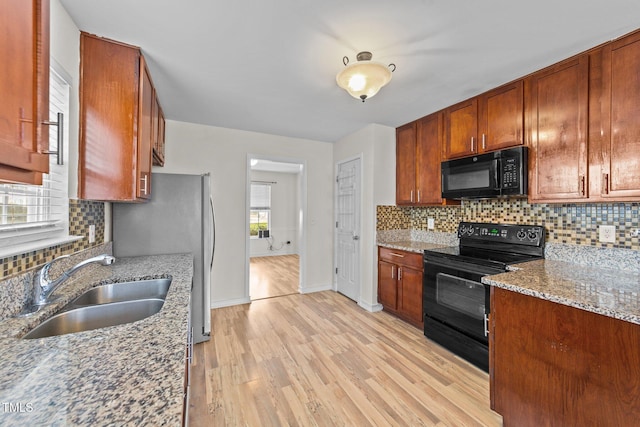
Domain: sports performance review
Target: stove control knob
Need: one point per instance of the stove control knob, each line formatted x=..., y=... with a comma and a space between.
x=521, y=234
x=532, y=234
x=463, y=229
x=471, y=230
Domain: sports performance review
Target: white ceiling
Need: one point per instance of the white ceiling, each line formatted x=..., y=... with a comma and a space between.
x=270, y=66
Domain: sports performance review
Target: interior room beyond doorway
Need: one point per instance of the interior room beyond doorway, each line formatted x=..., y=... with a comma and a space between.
x=274, y=228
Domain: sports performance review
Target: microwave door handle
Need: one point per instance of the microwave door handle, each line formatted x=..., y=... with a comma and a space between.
x=498, y=174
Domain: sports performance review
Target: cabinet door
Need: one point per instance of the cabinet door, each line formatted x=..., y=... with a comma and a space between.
x=411, y=293
x=145, y=132
x=428, y=158
x=557, y=113
x=461, y=129
x=502, y=117
x=109, y=111
x=158, y=133
x=621, y=150
x=406, y=164
x=388, y=284
x=25, y=90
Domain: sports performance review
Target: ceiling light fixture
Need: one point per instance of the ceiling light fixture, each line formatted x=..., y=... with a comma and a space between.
x=364, y=78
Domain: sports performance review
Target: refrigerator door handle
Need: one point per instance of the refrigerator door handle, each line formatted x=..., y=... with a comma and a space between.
x=212, y=231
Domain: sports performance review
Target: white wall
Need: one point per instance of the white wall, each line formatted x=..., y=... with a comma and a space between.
x=193, y=148
x=376, y=145
x=284, y=214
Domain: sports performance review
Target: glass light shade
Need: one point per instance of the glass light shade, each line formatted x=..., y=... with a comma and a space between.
x=363, y=79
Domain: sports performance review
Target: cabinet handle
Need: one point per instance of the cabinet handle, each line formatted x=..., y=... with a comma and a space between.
x=605, y=179
x=399, y=273
x=582, y=189
x=59, y=153
x=395, y=254
x=418, y=196
x=411, y=196
x=144, y=189
x=484, y=144
x=486, y=325
x=472, y=140
x=393, y=271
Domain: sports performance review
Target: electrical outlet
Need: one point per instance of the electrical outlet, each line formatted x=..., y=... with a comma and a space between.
x=431, y=223
x=607, y=233
x=92, y=233
x=635, y=232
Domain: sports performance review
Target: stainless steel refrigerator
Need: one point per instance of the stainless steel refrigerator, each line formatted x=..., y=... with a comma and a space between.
x=179, y=218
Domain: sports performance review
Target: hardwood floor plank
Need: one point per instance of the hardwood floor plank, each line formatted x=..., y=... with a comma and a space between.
x=320, y=360
x=272, y=276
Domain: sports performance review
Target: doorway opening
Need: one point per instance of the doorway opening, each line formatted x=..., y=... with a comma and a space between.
x=275, y=212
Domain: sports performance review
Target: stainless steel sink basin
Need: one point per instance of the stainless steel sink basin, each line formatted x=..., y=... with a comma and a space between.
x=116, y=292
x=96, y=316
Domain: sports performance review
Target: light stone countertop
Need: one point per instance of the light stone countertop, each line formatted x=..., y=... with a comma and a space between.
x=610, y=292
x=410, y=245
x=129, y=374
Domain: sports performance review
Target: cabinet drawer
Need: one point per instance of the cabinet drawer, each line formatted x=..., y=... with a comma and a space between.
x=409, y=259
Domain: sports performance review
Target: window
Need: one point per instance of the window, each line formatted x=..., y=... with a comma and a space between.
x=260, y=212
x=30, y=213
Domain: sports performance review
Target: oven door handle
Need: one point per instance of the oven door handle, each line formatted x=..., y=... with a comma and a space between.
x=466, y=267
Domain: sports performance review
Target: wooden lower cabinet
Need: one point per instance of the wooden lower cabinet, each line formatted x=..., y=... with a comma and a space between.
x=400, y=284
x=555, y=365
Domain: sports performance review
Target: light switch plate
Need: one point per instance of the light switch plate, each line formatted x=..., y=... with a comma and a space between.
x=431, y=224
x=92, y=233
x=607, y=233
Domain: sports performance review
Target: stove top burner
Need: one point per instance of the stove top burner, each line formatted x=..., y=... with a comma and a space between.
x=495, y=245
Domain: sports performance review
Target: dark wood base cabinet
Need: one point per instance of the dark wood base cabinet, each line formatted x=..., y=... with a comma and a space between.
x=555, y=365
x=400, y=284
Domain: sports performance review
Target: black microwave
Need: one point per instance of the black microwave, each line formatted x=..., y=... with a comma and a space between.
x=497, y=174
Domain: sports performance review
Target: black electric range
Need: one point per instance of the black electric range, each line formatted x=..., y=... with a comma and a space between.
x=455, y=302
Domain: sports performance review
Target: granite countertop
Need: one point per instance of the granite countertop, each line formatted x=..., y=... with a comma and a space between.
x=129, y=374
x=610, y=292
x=410, y=245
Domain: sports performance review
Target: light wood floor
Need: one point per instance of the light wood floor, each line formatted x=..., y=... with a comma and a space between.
x=272, y=276
x=320, y=360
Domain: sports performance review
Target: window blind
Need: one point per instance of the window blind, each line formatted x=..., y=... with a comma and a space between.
x=33, y=212
x=260, y=196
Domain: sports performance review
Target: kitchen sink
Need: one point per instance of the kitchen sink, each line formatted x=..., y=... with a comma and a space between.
x=96, y=316
x=118, y=292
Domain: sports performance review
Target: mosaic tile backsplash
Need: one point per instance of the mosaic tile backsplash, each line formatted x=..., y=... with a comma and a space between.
x=82, y=213
x=567, y=223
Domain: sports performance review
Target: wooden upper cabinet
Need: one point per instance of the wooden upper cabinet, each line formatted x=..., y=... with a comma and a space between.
x=418, y=157
x=557, y=108
x=24, y=85
x=501, y=117
x=117, y=107
x=146, y=137
x=428, y=158
x=488, y=122
x=461, y=129
x=621, y=119
x=406, y=164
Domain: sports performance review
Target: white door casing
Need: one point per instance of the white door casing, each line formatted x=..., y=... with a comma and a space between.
x=348, y=228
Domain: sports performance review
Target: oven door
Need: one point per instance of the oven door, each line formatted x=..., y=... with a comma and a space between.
x=453, y=295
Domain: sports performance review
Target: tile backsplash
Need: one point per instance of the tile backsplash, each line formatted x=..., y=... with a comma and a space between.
x=82, y=213
x=564, y=223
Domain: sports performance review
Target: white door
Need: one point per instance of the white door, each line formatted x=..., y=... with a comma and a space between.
x=348, y=229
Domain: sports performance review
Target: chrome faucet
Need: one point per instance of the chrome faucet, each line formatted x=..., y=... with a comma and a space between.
x=43, y=287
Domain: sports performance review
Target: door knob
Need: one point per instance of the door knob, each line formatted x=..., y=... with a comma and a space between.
x=356, y=237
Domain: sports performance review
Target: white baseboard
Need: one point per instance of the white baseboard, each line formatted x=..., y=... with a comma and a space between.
x=229, y=302
x=315, y=288
x=370, y=307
